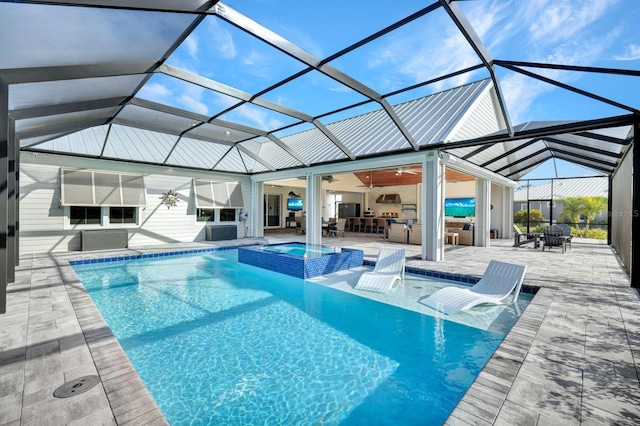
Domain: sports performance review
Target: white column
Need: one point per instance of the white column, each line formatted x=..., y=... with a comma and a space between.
x=314, y=209
x=256, y=214
x=507, y=212
x=482, y=220
x=432, y=212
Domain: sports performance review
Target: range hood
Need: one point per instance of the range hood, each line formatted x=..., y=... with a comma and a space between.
x=388, y=199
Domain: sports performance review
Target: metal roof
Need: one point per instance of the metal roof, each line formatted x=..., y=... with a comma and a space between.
x=563, y=188
x=597, y=149
x=85, y=78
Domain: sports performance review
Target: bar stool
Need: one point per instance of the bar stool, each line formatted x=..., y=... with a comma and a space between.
x=368, y=224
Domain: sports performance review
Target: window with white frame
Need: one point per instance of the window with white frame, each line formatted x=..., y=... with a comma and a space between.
x=523, y=206
x=228, y=215
x=79, y=215
x=123, y=214
x=98, y=198
x=205, y=215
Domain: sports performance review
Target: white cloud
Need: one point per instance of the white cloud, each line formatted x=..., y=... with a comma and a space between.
x=155, y=92
x=253, y=58
x=631, y=53
x=558, y=20
x=426, y=54
x=193, y=104
x=191, y=44
x=340, y=89
x=259, y=118
x=223, y=44
x=520, y=92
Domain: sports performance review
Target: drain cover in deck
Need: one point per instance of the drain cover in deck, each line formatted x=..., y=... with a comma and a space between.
x=76, y=386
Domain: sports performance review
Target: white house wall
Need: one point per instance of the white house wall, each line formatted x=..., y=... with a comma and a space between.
x=42, y=218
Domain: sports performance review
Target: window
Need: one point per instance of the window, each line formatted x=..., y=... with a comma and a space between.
x=205, y=215
x=523, y=206
x=84, y=215
x=122, y=214
x=227, y=215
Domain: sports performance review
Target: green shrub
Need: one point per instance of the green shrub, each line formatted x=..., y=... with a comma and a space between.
x=598, y=234
x=535, y=217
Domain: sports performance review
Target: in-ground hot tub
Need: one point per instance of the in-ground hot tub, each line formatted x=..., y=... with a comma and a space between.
x=300, y=261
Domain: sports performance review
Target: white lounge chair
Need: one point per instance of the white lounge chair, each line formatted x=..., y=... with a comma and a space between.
x=389, y=268
x=497, y=283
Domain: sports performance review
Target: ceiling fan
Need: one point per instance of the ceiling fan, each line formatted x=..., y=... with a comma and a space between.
x=325, y=178
x=370, y=184
x=408, y=171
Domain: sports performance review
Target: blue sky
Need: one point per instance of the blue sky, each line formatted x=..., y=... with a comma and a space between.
x=600, y=33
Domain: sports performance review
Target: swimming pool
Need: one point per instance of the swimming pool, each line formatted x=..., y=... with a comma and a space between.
x=217, y=342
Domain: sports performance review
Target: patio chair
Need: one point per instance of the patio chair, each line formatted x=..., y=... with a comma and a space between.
x=553, y=236
x=520, y=238
x=398, y=233
x=415, y=234
x=339, y=227
x=497, y=283
x=389, y=269
x=301, y=227
x=566, y=231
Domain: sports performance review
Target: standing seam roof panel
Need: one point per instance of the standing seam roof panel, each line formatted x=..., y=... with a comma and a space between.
x=196, y=153
x=369, y=133
x=86, y=142
x=313, y=146
x=270, y=152
x=232, y=162
x=139, y=145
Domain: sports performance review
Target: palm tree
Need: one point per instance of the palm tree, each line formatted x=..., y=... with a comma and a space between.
x=591, y=206
x=574, y=207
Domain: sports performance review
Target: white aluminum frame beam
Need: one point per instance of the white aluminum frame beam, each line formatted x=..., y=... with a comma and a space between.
x=467, y=30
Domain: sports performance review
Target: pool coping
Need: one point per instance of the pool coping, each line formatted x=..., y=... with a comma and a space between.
x=483, y=399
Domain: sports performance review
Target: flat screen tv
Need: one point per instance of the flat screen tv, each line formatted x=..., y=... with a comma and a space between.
x=295, y=204
x=459, y=207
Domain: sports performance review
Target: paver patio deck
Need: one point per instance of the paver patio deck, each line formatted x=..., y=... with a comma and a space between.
x=573, y=357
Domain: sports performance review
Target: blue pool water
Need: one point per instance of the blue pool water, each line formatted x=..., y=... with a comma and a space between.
x=299, y=249
x=217, y=342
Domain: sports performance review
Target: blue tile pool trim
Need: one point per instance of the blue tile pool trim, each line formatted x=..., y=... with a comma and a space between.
x=149, y=255
x=300, y=267
x=450, y=276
